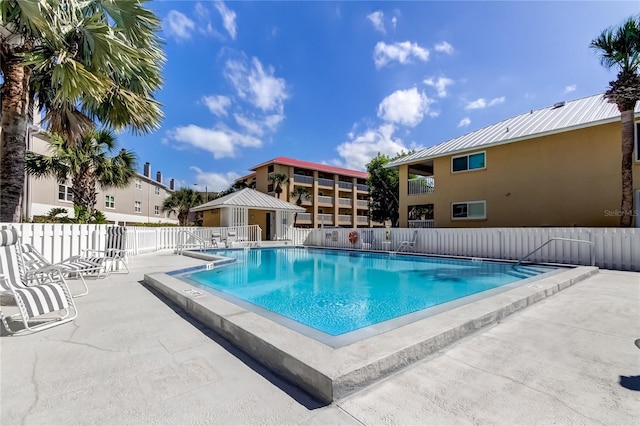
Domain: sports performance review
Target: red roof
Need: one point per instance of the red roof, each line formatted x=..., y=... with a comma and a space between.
x=313, y=166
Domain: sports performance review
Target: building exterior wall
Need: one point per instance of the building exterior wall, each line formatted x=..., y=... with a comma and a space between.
x=566, y=179
x=43, y=195
x=259, y=217
x=321, y=212
x=211, y=218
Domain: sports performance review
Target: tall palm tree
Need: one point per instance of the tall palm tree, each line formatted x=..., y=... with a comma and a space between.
x=87, y=164
x=619, y=48
x=300, y=192
x=278, y=179
x=181, y=202
x=84, y=61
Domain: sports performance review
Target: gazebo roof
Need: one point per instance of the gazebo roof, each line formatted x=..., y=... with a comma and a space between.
x=248, y=198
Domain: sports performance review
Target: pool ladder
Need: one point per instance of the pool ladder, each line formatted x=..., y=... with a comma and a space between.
x=181, y=244
x=592, y=254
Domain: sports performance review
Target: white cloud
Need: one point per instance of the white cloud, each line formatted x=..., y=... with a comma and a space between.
x=213, y=182
x=220, y=142
x=404, y=107
x=402, y=52
x=570, y=89
x=258, y=127
x=359, y=150
x=178, y=24
x=217, y=104
x=464, y=122
x=482, y=103
x=444, y=47
x=228, y=18
x=376, y=20
x=257, y=85
x=394, y=21
x=440, y=85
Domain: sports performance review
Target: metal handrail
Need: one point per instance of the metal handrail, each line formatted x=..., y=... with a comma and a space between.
x=204, y=244
x=592, y=253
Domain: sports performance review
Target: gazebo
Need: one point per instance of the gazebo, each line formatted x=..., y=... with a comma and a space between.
x=249, y=207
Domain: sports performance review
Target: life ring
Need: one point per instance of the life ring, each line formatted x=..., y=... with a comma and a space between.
x=353, y=237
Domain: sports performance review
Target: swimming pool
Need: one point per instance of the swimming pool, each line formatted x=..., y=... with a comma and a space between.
x=337, y=293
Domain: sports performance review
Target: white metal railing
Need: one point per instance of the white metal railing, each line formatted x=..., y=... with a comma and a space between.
x=345, y=185
x=303, y=179
x=421, y=185
x=613, y=248
x=325, y=200
x=363, y=219
x=363, y=203
x=362, y=187
x=326, y=182
x=187, y=239
x=345, y=219
x=326, y=219
x=421, y=223
x=303, y=217
x=297, y=236
x=345, y=201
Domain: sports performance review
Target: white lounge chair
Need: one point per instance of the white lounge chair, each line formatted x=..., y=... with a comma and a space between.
x=409, y=245
x=232, y=237
x=38, y=267
x=111, y=257
x=49, y=303
x=368, y=239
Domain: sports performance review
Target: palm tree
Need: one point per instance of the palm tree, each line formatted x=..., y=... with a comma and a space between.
x=87, y=164
x=84, y=61
x=619, y=48
x=300, y=192
x=278, y=180
x=181, y=202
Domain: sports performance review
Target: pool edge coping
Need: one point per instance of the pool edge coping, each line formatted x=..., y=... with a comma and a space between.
x=330, y=374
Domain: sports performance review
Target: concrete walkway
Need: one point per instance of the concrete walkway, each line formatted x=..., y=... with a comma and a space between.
x=129, y=358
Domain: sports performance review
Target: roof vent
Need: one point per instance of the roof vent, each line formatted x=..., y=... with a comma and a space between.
x=558, y=105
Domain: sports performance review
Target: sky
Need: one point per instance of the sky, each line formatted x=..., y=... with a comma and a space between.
x=338, y=82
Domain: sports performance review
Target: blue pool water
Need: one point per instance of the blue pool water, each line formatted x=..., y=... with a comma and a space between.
x=337, y=292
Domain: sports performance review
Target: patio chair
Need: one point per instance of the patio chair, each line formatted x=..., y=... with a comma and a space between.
x=232, y=237
x=48, y=303
x=38, y=267
x=111, y=257
x=368, y=239
x=409, y=245
x=216, y=239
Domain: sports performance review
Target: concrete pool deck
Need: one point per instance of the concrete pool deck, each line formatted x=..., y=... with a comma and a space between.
x=131, y=358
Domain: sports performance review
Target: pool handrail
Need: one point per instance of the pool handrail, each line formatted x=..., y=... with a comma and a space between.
x=180, y=244
x=592, y=253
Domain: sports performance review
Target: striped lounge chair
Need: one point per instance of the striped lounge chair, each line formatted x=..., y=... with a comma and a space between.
x=41, y=306
x=39, y=268
x=114, y=254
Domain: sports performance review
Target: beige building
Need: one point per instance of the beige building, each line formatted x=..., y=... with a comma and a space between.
x=557, y=166
x=140, y=202
x=337, y=196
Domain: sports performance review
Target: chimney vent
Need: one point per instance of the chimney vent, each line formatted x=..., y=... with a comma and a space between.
x=147, y=169
x=159, y=177
x=172, y=184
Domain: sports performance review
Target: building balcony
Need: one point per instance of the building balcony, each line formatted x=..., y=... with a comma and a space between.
x=324, y=200
x=421, y=223
x=326, y=182
x=345, y=202
x=363, y=220
x=345, y=219
x=302, y=179
x=345, y=186
x=325, y=219
x=362, y=187
x=363, y=204
x=421, y=185
x=303, y=218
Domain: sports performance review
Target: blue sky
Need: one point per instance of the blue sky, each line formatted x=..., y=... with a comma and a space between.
x=337, y=82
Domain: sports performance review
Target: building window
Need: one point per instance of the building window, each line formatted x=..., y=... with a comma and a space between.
x=137, y=206
x=157, y=210
x=270, y=168
x=65, y=193
x=109, y=201
x=468, y=162
x=157, y=190
x=469, y=210
x=138, y=184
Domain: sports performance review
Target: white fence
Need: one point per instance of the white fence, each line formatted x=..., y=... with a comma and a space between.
x=615, y=248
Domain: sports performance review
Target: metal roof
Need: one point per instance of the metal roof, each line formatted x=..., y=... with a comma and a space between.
x=248, y=198
x=314, y=166
x=557, y=118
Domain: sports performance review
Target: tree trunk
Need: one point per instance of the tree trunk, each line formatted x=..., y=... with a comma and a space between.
x=182, y=217
x=15, y=105
x=626, y=217
x=84, y=189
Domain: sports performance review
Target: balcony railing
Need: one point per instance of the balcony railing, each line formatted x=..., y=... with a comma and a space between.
x=421, y=185
x=345, y=201
x=345, y=185
x=362, y=187
x=303, y=179
x=345, y=218
x=326, y=219
x=325, y=182
x=363, y=204
x=303, y=217
x=363, y=219
x=423, y=223
x=325, y=200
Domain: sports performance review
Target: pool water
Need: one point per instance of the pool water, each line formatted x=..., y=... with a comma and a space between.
x=337, y=292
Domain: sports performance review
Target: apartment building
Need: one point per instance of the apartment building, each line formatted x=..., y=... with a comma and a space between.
x=140, y=202
x=337, y=196
x=556, y=166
